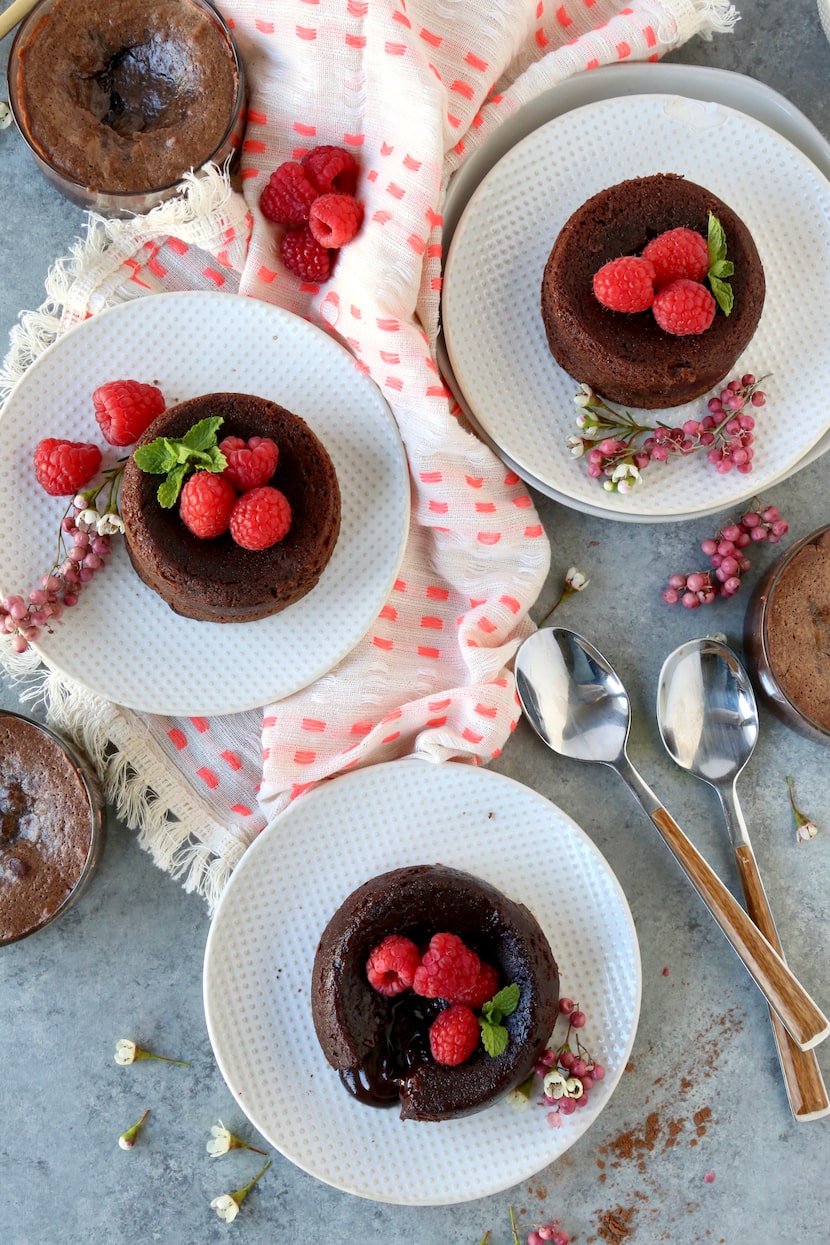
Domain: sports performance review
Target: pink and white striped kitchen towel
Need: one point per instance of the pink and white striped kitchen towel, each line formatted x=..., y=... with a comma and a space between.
x=411, y=87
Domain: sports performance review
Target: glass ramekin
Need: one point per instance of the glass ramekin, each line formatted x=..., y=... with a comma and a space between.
x=778, y=687
x=99, y=198
x=76, y=772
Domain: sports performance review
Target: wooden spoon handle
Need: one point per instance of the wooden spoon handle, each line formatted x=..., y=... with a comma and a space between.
x=14, y=14
x=805, y=1086
x=800, y=1016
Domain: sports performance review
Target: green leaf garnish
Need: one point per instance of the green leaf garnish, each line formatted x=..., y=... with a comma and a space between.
x=494, y=1038
x=719, y=266
x=493, y=1031
x=175, y=458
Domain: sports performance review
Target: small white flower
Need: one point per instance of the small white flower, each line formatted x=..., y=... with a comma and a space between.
x=576, y=445
x=127, y=1138
x=87, y=520
x=226, y=1207
x=573, y=1087
x=625, y=471
x=575, y=580
x=5, y=115
x=110, y=524
x=220, y=1140
x=227, y=1204
x=125, y=1051
x=807, y=830
x=554, y=1085
x=584, y=395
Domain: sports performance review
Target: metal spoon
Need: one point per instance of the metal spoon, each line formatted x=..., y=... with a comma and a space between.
x=708, y=719
x=578, y=706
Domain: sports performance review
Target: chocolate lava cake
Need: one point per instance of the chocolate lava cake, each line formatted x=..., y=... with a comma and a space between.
x=216, y=580
x=379, y=1044
x=627, y=358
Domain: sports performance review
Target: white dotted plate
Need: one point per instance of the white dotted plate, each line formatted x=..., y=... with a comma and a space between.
x=122, y=641
x=262, y=942
x=491, y=298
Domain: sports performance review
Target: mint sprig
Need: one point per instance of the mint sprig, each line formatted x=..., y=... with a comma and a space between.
x=719, y=266
x=174, y=458
x=493, y=1013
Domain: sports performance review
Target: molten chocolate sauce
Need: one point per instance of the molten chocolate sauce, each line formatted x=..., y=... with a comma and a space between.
x=402, y=1047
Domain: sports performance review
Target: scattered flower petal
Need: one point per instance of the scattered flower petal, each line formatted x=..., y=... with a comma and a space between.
x=227, y=1204
x=709, y=1178
x=805, y=827
x=222, y=1140
x=127, y=1138
x=127, y=1052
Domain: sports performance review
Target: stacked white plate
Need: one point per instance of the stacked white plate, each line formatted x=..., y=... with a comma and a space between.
x=505, y=208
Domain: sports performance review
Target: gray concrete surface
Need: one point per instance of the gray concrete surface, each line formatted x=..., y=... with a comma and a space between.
x=128, y=959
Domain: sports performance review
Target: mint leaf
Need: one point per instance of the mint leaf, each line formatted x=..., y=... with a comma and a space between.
x=175, y=457
x=157, y=458
x=494, y=1038
x=202, y=436
x=719, y=266
x=722, y=268
x=716, y=240
x=723, y=293
x=171, y=486
x=506, y=1001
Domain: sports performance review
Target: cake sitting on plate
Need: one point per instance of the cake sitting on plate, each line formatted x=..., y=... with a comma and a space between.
x=433, y=991
x=653, y=289
x=238, y=543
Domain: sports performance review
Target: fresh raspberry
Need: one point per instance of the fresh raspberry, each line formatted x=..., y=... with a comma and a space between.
x=302, y=254
x=454, y=1035
x=288, y=196
x=625, y=284
x=391, y=966
x=447, y=970
x=260, y=518
x=125, y=409
x=684, y=307
x=335, y=219
x=250, y=463
x=64, y=467
x=206, y=503
x=331, y=169
x=677, y=253
x=483, y=988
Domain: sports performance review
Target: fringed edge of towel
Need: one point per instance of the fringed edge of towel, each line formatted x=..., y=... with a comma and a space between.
x=172, y=823
x=702, y=17
x=92, y=261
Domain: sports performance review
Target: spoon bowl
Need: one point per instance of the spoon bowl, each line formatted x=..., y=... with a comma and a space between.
x=577, y=704
x=706, y=711
x=572, y=697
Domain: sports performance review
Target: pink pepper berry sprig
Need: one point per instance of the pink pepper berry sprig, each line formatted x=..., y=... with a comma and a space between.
x=83, y=548
x=568, y=1075
x=617, y=448
x=725, y=551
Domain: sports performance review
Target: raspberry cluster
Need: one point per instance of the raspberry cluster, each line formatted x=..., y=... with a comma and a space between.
x=124, y=409
x=315, y=200
x=725, y=551
x=617, y=449
x=668, y=279
x=449, y=971
x=239, y=499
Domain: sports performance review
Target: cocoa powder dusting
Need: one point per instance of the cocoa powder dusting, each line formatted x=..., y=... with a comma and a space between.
x=662, y=1128
x=615, y=1225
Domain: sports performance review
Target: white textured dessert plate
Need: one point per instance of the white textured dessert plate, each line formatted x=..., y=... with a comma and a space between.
x=261, y=946
x=121, y=640
x=492, y=324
